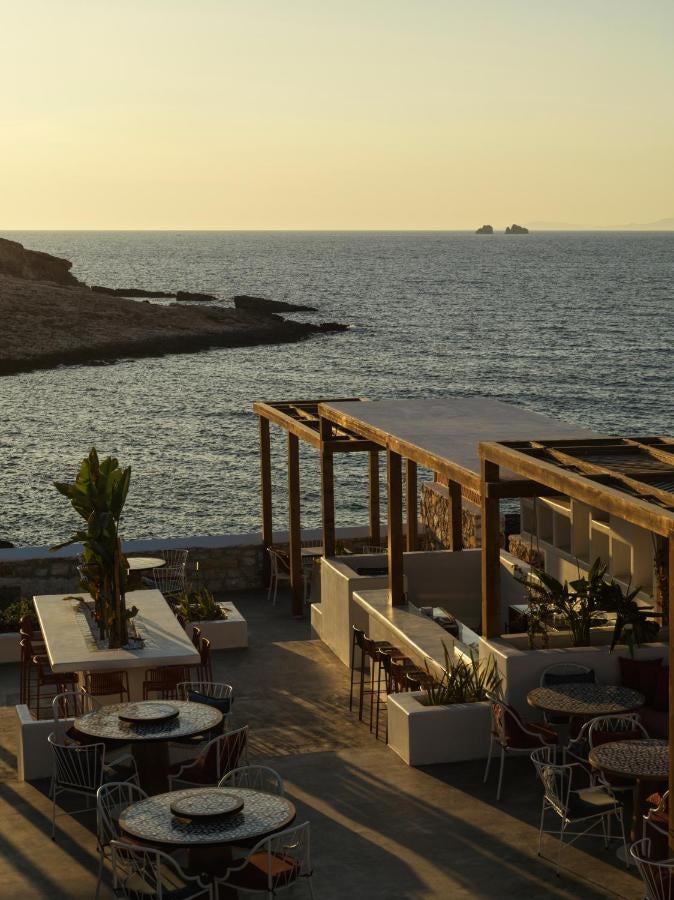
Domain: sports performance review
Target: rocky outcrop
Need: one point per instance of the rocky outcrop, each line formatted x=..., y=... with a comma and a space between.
x=485, y=229
x=129, y=292
x=263, y=305
x=516, y=229
x=191, y=297
x=34, y=265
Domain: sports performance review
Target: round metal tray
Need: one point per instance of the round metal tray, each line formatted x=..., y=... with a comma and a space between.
x=148, y=712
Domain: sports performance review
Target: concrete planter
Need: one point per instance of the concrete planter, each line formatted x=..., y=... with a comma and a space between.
x=224, y=634
x=426, y=735
x=10, y=650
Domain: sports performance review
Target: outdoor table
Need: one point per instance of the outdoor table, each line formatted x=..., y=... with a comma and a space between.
x=585, y=700
x=149, y=741
x=647, y=761
x=139, y=563
x=209, y=841
x=312, y=552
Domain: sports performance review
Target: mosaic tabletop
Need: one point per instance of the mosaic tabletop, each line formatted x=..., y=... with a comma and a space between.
x=152, y=820
x=192, y=718
x=634, y=759
x=585, y=699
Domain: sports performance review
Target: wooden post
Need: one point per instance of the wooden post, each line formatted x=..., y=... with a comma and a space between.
x=265, y=479
x=670, y=580
x=411, y=494
x=294, y=528
x=456, y=523
x=327, y=491
x=395, y=528
x=375, y=522
x=491, y=553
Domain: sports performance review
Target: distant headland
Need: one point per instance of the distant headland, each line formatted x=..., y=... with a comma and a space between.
x=511, y=229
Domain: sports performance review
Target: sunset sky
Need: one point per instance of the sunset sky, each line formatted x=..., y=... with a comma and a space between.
x=351, y=114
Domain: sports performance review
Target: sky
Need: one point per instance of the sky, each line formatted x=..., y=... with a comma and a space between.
x=318, y=114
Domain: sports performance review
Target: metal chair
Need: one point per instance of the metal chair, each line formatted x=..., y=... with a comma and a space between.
x=279, y=573
x=111, y=800
x=38, y=669
x=196, y=636
x=141, y=872
x=590, y=806
x=205, y=666
x=605, y=729
x=218, y=757
x=171, y=578
x=164, y=681
x=657, y=876
x=274, y=864
x=107, y=684
x=82, y=770
x=513, y=735
x=258, y=778
x=212, y=693
x=578, y=747
x=70, y=705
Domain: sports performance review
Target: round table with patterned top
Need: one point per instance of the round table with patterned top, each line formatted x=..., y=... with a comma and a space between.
x=647, y=761
x=152, y=822
x=149, y=739
x=585, y=700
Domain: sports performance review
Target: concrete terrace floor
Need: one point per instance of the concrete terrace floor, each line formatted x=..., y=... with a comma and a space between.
x=379, y=828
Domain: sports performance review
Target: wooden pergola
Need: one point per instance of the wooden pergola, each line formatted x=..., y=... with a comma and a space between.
x=301, y=421
x=630, y=478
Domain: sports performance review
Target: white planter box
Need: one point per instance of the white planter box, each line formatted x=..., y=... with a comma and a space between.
x=10, y=650
x=226, y=633
x=425, y=735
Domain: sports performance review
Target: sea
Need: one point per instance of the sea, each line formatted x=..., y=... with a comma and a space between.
x=577, y=325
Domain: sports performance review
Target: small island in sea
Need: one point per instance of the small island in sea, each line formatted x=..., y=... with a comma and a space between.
x=50, y=318
x=485, y=229
x=516, y=229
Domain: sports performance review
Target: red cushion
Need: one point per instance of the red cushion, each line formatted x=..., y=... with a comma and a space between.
x=640, y=675
x=661, y=698
x=515, y=735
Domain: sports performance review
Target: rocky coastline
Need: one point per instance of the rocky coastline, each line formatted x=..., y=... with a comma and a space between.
x=51, y=319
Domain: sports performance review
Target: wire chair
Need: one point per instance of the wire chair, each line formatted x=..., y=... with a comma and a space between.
x=279, y=573
x=170, y=578
x=70, y=705
x=196, y=636
x=579, y=747
x=274, y=864
x=111, y=800
x=657, y=876
x=164, y=681
x=82, y=770
x=205, y=666
x=220, y=755
x=591, y=806
x=107, y=684
x=258, y=778
x=212, y=693
x=141, y=872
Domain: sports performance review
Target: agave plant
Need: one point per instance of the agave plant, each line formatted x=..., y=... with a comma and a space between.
x=199, y=606
x=463, y=682
x=98, y=495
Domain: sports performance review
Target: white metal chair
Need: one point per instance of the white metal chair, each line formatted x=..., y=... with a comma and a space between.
x=211, y=693
x=657, y=817
x=563, y=673
x=218, y=757
x=579, y=746
x=657, y=876
x=259, y=778
x=514, y=736
x=590, y=806
x=171, y=578
x=82, y=770
x=140, y=873
x=603, y=729
x=279, y=573
x=274, y=864
x=111, y=800
x=70, y=705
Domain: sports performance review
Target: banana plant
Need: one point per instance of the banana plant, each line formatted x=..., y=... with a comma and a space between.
x=98, y=495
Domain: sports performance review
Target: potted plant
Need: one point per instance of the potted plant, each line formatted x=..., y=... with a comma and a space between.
x=199, y=606
x=98, y=495
x=462, y=682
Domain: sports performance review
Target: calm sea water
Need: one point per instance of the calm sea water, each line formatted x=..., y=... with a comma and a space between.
x=578, y=326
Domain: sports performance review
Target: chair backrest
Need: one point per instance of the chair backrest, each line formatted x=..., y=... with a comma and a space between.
x=71, y=705
x=205, y=654
x=288, y=856
x=27, y=626
x=606, y=729
x=657, y=876
x=111, y=799
x=258, y=778
x=171, y=577
x=359, y=637
x=77, y=766
x=221, y=755
x=196, y=636
x=279, y=562
x=142, y=872
x=212, y=693
x=566, y=673
x=556, y=779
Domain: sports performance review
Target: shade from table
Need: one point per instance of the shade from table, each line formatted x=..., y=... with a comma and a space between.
x=138, y=563
x=585, y=700
x=193, y=718
x=151, y=820
x=643, y=759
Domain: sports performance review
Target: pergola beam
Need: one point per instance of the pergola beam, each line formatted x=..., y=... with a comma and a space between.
x=490, y=553
x=411, y=496
x=266, y=492
x=373, y=498
x=395, y=528
x=327, y=493
x=294, y=526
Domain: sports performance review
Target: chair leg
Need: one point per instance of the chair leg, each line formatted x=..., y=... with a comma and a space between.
x=540, y=830
x=619, y=816
x=311, y=887
x=376, y=730
x=353, y=665
x=362, y=687
x=561, y=844
x=53, y=811
x=100, y=874
x=500, y=774
x=486, y=770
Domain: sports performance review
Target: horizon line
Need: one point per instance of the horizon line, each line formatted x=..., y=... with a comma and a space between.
x=367, y=229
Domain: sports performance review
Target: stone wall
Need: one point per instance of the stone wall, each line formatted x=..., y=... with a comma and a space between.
x=435, y=515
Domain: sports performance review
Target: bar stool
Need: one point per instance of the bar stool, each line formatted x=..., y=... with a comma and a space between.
x=196, y=636
x=104, y=684
x=358, y=638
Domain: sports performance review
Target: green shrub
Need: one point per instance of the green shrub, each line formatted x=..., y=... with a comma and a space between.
x=463, y=682
x=199, y=606
x=12, y=613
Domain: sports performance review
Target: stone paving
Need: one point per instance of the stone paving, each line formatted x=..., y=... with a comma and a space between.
x=380, y=829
